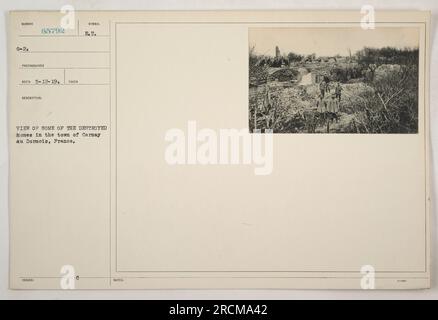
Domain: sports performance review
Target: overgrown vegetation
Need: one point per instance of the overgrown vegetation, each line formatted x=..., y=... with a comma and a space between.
x=379, y=92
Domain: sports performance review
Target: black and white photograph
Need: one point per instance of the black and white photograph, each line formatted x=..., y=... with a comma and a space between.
x=334, y=80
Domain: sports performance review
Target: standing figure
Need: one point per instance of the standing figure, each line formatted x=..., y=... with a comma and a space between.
x=333, y=107
x=322, y=87
x=327, y=86
x=320, y=104
x=338, y=90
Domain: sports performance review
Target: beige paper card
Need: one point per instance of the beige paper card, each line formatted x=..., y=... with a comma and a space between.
x=219, y=150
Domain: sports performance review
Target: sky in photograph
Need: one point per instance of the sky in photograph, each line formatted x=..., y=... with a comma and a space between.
x=329, y=41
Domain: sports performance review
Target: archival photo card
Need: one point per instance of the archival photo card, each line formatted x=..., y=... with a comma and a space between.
x=155, y=150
